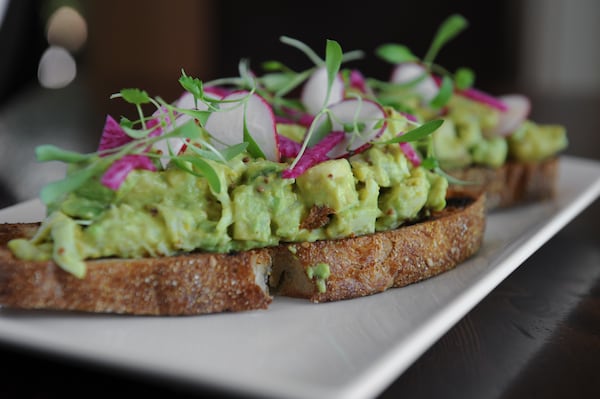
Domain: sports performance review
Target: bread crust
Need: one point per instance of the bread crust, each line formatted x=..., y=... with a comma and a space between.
x=366, y=265
x=512, y=184
x=195, y=283
x=199, y=283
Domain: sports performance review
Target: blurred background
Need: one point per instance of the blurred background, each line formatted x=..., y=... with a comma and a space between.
x=60, y=60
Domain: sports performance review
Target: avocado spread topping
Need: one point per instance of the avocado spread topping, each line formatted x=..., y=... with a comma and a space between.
x=236, y=164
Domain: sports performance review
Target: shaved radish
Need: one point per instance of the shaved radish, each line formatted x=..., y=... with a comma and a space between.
x=369, y=114
x=517, y=110
x=411, y=154
x=314, y=91
x=227, y=124
x=479, y=96
x=410, y=117
x=288, y=147
x=409, y=71
x=359, y=83
x=291, y=115
x=168, y=146
x=484, y=98
x=113, y=135
x=186, y=100
x=116, y=174
x=314, y=155
x=176, y=145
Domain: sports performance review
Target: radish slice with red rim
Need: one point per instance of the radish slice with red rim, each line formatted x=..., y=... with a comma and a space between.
x=176, y=145
x=411, y=154
x=368, y=115
x=484, y=98
x=409, y=71
x=227, y=124
x=314, y=91
x=517, y=110
x=314, y=155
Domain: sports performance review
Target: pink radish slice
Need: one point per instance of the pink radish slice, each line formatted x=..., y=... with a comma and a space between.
x=288, y=148
x=227, y=125
x=478, y=96
x=358, y=82
x=518, y=107
x=484, y=98
x=314, y=91
x=410, y=117
x=291, y=115
x=116, y=174
x=352, y=110
x=177, y=145
x=408, y=71
x=113, y=135
x=410, y=153
x=314, y=155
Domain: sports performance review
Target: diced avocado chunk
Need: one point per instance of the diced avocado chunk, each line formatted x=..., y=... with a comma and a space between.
x=330, y=183
x=491, y=152
x=534, y=142
x=436, y=200
x=403, y=201
x=386, y=164
x=448, y=147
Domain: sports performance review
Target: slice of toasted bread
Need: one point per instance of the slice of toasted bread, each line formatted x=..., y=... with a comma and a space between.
x=512, y=184
x=188, y=284
x=373, y=263
x=198, y=283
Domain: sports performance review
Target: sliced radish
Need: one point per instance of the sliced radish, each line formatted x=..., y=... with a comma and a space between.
x=116, y=174
x=517, y=110
x=367, y=113
x=314, y=91
x=177, y=145
x=411, y=154
x=359, y=83
x=409, y=71
x=288, y=148
x=113, y=135
x=227, y=124
x=484, y=98
x=186, y=100
x=314, y=155
x=291, y=115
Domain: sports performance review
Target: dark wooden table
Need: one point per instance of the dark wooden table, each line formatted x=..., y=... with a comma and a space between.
x=537, y=335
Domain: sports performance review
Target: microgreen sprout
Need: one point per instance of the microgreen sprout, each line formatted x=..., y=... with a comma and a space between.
x=395, y=54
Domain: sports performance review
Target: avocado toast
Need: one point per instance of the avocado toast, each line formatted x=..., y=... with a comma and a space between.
x=235, y=192
x=487, y=143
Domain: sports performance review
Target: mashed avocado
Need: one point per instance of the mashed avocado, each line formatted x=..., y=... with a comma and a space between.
x=464, y=140
x=172, y=211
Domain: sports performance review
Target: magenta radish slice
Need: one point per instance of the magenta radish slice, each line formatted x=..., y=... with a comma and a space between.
x=517, y=110
x=113, y=135
x=314, y=91
x=116, y=174
x=409, y=71
x=410, y=154
x=314, y=155
x=484, y=98
x=367, y=114
x=227, y=125
x=291, y=116
x=288, y=148
x=359, y=83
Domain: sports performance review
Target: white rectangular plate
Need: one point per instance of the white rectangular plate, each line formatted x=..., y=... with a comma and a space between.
x=296, y=349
